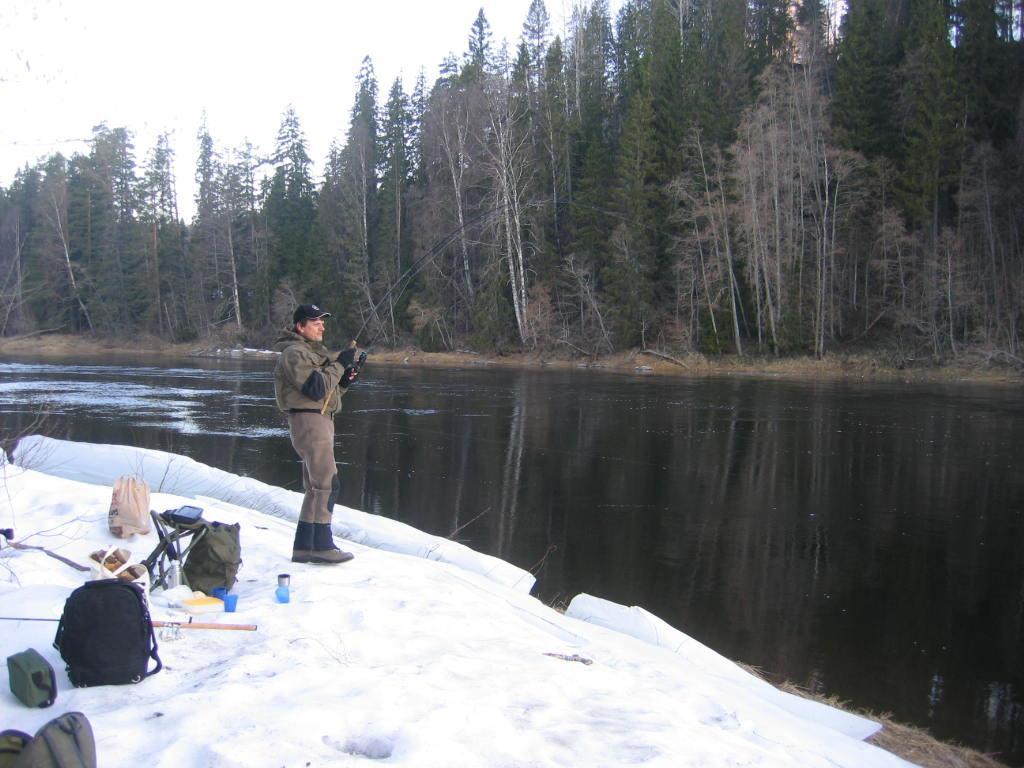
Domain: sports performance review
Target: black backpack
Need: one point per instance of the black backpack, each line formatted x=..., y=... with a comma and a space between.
x=105, y=635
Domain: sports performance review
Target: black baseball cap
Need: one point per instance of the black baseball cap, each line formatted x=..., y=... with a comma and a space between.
x=307, y=312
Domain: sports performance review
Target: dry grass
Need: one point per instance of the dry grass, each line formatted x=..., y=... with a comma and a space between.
x=832, y=368
x=909, y=742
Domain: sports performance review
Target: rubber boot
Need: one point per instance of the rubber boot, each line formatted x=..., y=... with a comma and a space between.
x=302, y=549
x=324, y=549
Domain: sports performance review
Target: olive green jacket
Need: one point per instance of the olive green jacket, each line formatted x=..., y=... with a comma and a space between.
x=300, y=359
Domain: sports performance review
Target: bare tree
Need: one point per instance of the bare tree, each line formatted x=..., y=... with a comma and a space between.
x=55, y=211
x=507, y=159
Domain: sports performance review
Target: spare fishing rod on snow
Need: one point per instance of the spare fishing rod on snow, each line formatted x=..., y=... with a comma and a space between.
x=189, y=625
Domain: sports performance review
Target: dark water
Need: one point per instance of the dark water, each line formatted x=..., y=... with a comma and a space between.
x=860, y=540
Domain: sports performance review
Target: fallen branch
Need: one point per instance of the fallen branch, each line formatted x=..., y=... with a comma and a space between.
x=30, y=334
x=578, y=349
x=663, y=356
x=992, y=356
x=47, y=552
x=575, y=657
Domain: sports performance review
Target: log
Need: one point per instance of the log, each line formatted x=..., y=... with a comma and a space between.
x=663, y=356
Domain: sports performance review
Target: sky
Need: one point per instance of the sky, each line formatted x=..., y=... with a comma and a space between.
x=406, y=654
x=68, y=65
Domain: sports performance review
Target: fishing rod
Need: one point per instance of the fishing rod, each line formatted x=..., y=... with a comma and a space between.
x=417, y=266
x=159, y=624
x=480, y=218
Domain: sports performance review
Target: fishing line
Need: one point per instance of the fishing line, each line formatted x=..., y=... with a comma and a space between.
x=417, y=266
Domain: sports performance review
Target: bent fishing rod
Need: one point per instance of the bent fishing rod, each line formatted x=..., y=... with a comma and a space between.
x=417, y=266
x=426, y=258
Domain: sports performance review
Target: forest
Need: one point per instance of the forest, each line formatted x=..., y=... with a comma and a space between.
x=745, y=177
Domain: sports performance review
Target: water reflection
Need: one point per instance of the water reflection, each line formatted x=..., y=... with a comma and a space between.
x=862, y=541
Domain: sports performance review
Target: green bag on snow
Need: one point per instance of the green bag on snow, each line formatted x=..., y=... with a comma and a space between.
x=214, y=558
x=32, y=679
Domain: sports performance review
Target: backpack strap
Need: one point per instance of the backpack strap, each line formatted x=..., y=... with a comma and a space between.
x=152, y=643
x=46, y=682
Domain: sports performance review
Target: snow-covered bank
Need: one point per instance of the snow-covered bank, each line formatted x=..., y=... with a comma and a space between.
x=171, y=473
x=415, y=661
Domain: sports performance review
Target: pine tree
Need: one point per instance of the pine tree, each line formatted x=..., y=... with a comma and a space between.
x=16, y=204
x=865, y=86
x=630, y=272
x=477, y=59
x=359, y=160
x=632, y=47
x=289, y=206
x=163, y=233
x=536, y=33
x=716, y=69
x=931, y=127
x=114, y=238
x=769, y=30
x=985, y=71
x=393, y=242
x=417, y=112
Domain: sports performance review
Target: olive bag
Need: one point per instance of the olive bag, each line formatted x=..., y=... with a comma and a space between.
x=213, y=560
x=32, y=679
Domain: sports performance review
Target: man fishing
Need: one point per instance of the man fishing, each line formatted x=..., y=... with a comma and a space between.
x=309, y=382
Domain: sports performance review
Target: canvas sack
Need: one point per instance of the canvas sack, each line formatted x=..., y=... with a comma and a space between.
x=214, y=559
x=105, y=635
x=64, y=742
x=129, y=507
x=31, y=678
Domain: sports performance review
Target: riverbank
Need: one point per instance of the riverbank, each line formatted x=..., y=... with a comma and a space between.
x=973, y=367
x=561, y=677
x=64, y=379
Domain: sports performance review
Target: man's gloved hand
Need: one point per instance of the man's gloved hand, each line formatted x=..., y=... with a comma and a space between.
x=347, y=357
x=351, y=374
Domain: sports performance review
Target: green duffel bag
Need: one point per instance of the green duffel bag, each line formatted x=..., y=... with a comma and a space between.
x=32, y=679
x=214, y=559
x=64, y=742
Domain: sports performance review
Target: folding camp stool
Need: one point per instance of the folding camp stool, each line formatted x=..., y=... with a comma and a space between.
x=173, y=536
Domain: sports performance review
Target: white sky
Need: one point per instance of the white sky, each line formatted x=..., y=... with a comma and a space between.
x=67, y=65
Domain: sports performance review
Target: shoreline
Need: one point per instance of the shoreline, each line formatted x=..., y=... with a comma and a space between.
x=836, y=367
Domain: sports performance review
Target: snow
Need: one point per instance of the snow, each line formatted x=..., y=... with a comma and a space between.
x=419, y=652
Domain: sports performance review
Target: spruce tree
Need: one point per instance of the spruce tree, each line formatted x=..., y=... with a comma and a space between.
x=985, y=70
x=393, y=241
x=930, y=104
x=630, y=270
x=769, y=30
x=477, y=59
x=359, y=161
x=289, y=206
x=865, y=80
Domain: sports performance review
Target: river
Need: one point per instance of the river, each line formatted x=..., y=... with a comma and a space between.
x=862, y=540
